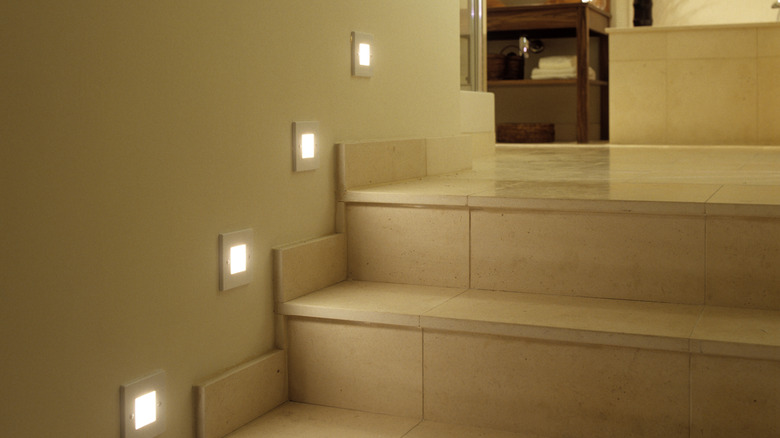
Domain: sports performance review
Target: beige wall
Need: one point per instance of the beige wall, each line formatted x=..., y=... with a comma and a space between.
x=132, y=134
x=697, y=12
x=704, y=85
x=688, y=12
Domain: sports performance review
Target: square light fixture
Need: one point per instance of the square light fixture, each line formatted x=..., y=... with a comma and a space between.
x=235, y=255
x=142, y=404
x=362, y=54
x=306, y=149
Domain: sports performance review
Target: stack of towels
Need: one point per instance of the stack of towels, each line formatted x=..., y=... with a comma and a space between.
x=558, y=67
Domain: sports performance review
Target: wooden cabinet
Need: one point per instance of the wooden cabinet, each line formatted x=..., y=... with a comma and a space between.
x=582, y=21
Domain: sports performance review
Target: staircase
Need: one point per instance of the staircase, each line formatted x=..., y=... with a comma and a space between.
x=596, y=292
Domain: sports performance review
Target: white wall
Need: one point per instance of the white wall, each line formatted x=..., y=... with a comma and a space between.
x=132, y=134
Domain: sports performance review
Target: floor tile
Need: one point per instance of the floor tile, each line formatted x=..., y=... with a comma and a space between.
x=432, y=429
x=652, y=173
x=296, y=420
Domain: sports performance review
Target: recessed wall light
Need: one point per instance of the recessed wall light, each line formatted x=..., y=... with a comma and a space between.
x=362, y=54
x=306, y=154
x=235, y=257
x=145, y=410
x=142, y=403
x=307, y=146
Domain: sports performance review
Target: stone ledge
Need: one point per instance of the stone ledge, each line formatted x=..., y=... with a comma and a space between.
x=698, y=329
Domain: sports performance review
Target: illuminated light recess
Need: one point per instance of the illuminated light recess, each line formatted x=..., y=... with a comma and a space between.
x=237, y=259
x=142, y=406
x=364, y=54
x=235, y=255
x=145, y=409
x=307, y=146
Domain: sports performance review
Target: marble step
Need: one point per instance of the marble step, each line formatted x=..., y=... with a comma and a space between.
x=523, y=362
x=298, y=420
x=696, y=329
x=686, y=225
x=671, y=252
x=548, y=292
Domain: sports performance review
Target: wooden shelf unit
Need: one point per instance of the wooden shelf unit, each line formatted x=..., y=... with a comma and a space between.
x=582, y=21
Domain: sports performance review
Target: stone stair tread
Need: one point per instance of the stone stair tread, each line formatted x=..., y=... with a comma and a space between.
x=729, y=331
x=365, y=301
x=663, y=326
x=590, y=196
x=570, y=319
x=300, y=420
x=435, y=190
x=602, y=179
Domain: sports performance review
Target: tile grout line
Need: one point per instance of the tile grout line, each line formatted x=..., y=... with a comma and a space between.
x=690, y=394
x=470, y=243
x=758, y=96
x=667, y=85
x=422, y=375
x=405, y=434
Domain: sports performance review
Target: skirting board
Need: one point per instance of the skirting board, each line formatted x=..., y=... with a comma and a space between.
x=232, y=399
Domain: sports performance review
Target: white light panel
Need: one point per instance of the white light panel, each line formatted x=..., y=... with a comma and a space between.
x=142, y=404
x=362, y=54
x=235, y=256
x=145, y=410
x=237, y=259
x=306, y=146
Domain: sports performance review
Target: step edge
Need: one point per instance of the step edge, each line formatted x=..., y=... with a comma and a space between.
x=697, y=340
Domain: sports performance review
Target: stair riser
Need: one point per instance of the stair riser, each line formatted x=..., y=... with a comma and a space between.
x=428, y=246
x=624, y=256
x=686, y=259
x=369, y=368
x=555, y=389
x=734, y=397
x=539, y=388
x=743, y=262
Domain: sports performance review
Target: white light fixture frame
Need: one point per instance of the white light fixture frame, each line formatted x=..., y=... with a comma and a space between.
x=360, y=41
x=139, y=388
x=227, y=241
x=306, y=146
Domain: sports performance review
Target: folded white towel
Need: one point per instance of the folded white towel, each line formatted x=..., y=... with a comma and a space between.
x=559, y=73
x=557, y=62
